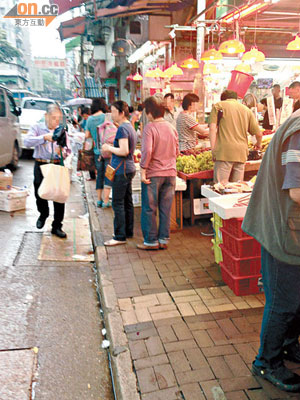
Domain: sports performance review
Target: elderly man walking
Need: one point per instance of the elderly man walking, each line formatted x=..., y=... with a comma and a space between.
x=45, y=150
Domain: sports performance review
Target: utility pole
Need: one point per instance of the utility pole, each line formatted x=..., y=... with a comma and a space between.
x=82, y=66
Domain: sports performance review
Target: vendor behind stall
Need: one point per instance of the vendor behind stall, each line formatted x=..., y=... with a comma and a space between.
x=187, y=127
x=294, y=93
x=228, y=138
x=277, y=102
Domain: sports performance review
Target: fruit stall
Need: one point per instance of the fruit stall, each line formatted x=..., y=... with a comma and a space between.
x=195, y=166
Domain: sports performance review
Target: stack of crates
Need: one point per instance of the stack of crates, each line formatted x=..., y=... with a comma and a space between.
x=217, y=225
x=241, y=258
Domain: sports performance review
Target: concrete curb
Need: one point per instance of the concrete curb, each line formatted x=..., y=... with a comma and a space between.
x=124, y=376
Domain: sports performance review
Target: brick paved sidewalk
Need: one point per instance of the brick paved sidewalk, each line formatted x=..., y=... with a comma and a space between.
x=189, y=336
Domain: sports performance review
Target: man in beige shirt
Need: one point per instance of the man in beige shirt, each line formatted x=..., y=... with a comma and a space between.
x=230, y=121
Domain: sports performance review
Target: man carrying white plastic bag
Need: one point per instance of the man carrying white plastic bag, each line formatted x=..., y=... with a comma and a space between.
x=51, y=178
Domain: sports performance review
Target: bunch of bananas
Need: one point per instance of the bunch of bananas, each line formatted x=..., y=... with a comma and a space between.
x=264, y=144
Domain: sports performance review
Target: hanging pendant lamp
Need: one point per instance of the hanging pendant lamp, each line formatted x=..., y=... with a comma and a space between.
x=210, y=69
x=211, y=55
x=190, y=63
x=233, y=46
x=137, y=77
x=254, y=55
x=176, y=70
x=168, y=73
x=243, y=67
x=149, y=73
x=129, y=77
x=294, y=44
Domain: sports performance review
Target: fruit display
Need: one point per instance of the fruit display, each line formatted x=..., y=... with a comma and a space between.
x=137, y=155
x=192, y=164
x=264, y=144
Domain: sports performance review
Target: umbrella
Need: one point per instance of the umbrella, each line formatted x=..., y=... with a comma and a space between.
x=78, y=101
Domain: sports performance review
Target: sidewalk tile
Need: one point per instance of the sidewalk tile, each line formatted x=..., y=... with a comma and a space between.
x=218, y=336
x=144, y=299
x=129, y=317
x=147, y=362
x=199, y=307
x=203, y=339
x=186, y=299
x=185, y=309
x=239, y=395
x=154, y=346
x=125, y=304
x=218, y=350
x=246, y=351
x=239, y=383
x=257, y=394
x=243, y=324
x=166, y=334
x=165, y=394
x=164, y=298
x=196, y=358
x=162, y=308
x=143, y=315
x=181, y=345
x=196, y=326
x=167, y=321
x=165, y=315
x=182, y=331
x=165, y=376
x=209, y=388
x=143, y=334
x=138, y=349
x=192, y=391
x=179, y=362
x=228, y=328
x=199, y=375
x=147, y=380
x=183, y=293
x=219, y=367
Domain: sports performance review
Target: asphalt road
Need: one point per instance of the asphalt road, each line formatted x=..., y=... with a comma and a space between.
x=49, y=305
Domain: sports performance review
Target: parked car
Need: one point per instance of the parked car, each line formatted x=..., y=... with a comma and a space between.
x=10, y=138
x=33, y=110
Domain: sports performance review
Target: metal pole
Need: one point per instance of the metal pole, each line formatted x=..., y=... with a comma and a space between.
x=82, y=66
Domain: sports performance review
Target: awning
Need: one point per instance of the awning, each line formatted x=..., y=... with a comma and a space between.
x=9, y=79
x=91, y=88
x=66, y=5
x=119, y=8
x=72, y=27
x=72, y=44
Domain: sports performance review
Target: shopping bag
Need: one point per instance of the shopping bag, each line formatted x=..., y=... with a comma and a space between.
x=110, y=171
x=86, y=160
x=55, y=185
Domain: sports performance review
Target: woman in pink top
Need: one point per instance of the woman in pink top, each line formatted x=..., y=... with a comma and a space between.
x=158, y=175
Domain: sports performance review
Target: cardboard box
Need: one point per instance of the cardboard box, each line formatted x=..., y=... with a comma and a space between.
x=137, y=198
x=201, y=206
x=6, y=180
x=13, y=199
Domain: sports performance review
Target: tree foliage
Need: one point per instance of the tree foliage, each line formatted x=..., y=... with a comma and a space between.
x=7, y=51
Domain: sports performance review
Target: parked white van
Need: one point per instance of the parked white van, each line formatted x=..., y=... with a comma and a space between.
x=10, y=138
x=33, y=110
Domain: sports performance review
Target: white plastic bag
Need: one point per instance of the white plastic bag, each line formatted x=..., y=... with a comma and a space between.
x=56, y=183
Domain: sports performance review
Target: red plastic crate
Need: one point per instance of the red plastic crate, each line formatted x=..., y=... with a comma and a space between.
x=240, y=266
x=234, y=227
x=241, y=286
x=240, y=247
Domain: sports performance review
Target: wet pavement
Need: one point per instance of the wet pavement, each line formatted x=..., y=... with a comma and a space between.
x=188, y=335
x=51, y=306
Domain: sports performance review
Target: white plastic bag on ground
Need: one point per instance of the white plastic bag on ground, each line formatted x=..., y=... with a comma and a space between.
x=56, y=183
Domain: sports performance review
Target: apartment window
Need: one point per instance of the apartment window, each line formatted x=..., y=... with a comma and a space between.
x=135, y=28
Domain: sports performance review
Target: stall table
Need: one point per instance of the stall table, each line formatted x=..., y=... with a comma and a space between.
x=251, y=169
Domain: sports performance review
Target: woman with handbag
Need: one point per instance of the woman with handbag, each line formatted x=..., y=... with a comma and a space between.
x=106, y=134
x=122, y=171
x=98, y=109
